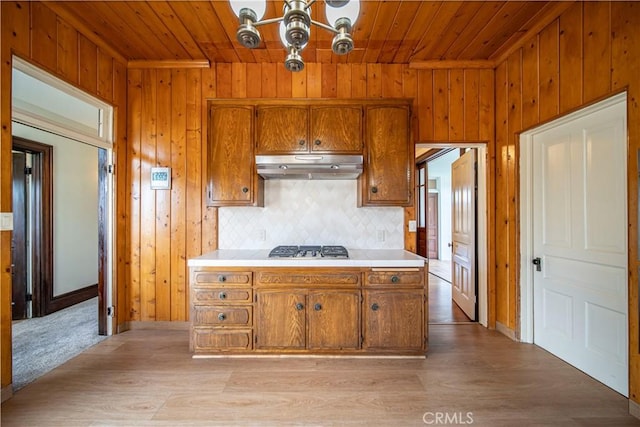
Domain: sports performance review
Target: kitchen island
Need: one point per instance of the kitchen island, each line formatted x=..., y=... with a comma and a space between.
x=372, y=303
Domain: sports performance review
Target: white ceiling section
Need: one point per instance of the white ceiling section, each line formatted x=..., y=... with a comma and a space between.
x=45, y=102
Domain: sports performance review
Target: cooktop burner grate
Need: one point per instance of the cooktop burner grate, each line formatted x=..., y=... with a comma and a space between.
x=309, y=251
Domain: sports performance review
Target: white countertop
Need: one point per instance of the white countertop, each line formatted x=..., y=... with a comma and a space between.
x=395, y=258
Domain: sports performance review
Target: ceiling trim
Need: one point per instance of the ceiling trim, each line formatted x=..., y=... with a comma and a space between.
x=452, y=64
x=187, y=63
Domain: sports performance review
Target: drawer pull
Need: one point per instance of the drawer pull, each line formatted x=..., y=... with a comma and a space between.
x=222, y=316
x=299, y=306
x=374, y=190
x=317, y=307
x=395, y=279
x=375, y=306
x=222, y=278
x=318, y=142
x=222, y=295
x=245, y=190
x=301, y=142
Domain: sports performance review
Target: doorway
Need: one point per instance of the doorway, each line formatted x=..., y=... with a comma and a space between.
x=32, y=239
x=574, y=264
x=434, y=168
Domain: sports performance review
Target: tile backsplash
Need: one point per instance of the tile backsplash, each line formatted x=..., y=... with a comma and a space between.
x=299, y=212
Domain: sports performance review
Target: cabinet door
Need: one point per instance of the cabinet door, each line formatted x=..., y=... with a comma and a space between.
x=387, y=178
x=280, y=319
x=394, y=319
x=336, y=129
x=230, y=163
x=334, y=319
x=282, y=129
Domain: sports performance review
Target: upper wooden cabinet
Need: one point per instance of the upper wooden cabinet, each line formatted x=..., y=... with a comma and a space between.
x=387, y=178
x=325, y=128
x=232, y=178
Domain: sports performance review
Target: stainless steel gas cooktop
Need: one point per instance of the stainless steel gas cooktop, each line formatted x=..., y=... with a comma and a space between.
x=314, y=251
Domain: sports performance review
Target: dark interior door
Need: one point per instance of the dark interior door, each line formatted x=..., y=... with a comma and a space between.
x=19, y=237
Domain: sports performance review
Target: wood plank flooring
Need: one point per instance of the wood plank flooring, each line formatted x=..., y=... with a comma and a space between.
x=442, y=309
x=148, y=378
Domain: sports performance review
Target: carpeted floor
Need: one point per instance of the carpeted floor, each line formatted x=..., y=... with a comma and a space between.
x=43, y=343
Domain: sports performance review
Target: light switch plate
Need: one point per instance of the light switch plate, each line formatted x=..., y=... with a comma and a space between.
x=413, y=226
x=6, y=221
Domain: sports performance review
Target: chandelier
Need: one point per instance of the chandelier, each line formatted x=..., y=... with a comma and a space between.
x=295, y=25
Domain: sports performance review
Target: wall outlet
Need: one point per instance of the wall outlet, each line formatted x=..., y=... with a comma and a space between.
x=413, y=226
x=380, y=235
x=6, y=221
x=261, y=235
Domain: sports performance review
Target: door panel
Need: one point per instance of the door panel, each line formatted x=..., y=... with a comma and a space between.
x=390, y=320
x=463, y=224
x=432, y=226
x=280, y=319
x=334, y=319
x=579, y=228
x=19, y=237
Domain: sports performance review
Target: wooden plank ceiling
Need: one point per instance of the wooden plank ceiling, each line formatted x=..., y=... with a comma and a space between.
x=392, y=31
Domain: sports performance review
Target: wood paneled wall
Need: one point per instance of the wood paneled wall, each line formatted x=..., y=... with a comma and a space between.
x=167, y=127
x=33, y=32
x=591, y=51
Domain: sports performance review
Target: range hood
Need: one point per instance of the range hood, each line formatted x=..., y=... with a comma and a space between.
x=309, y=166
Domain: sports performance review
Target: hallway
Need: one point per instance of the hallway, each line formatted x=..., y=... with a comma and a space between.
x=442, y=309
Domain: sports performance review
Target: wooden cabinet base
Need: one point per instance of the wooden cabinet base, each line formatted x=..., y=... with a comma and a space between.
x=311, y=311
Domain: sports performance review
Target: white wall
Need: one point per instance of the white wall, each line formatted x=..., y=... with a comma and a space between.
x=440, y=169
x=302, y=212
x=75, y=209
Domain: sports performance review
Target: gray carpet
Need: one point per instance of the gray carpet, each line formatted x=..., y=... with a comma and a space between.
x=43, y=343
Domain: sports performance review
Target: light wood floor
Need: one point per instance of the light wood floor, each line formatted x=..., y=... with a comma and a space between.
x=148, y=378
x=442, y=309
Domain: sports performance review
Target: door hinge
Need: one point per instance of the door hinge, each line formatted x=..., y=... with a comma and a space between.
x=28, y=297
x=255, y=298
x=255, y=339
x=111, y=169
x=28, y=170
x=111, y=311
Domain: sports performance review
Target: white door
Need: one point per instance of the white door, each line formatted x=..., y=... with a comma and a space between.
x=463, y=230
x=580, y=239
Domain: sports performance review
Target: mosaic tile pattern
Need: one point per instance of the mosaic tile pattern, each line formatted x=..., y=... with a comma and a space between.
x=299, y=212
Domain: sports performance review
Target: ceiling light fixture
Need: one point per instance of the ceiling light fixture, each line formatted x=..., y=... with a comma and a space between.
x=295, y=25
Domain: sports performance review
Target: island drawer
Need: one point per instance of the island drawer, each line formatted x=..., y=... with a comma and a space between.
x=222, y=316
x=307, y=278
x=201, y=277
x=221, y=295
x=395, y=277
x=208, y=340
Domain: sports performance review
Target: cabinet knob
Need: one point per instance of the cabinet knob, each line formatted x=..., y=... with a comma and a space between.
x=375, y=306
x=317, y=307
x=317, y=142
x=299, y=306
x=374, y=190
x=221, y=278
x=222, y=295
x=245, y=190
x=222, y=317
x=395, y=279
x=301, y=142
